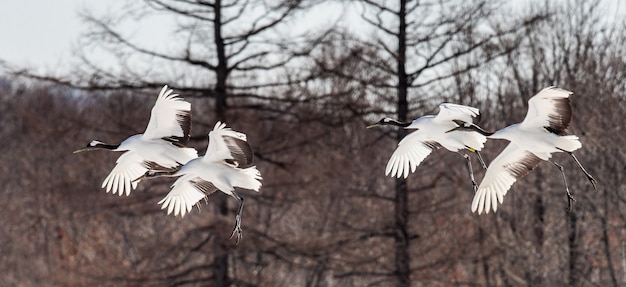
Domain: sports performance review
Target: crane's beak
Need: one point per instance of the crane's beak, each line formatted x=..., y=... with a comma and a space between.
x=373, y=125
x=84, y=149
x=456, y=129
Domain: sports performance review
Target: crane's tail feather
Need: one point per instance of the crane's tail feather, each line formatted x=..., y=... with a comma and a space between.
x=249, y=178
x=569, y=143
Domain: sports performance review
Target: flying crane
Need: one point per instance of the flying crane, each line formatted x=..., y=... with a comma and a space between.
x=225, y=166
x=541, y=133
x=160, y=148
x=431, y=133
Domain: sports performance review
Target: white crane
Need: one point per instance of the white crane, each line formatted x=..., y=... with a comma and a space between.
x=431, y=133
x=225, y=165
x=160, y=148
x=541, y=133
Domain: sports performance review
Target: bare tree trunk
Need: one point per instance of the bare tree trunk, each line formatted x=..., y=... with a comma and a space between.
x=605, y=239
x=221, y=263
x=536, y=278
x=401, y=200
x=401, y=233
x=482, y=264
x=573, y=279
x=222, y=64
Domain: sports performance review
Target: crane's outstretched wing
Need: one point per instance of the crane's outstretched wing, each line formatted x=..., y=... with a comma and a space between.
x=225, y=144
x=411, y=151
x=124, y=176
x=185, y=193
x=510, y=165
x=449, y=112
x=550, y=109
x=170, y=118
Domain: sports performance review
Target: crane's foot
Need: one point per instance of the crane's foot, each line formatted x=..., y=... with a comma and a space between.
x=570, y=200
x=592, y=180
x=237, y=229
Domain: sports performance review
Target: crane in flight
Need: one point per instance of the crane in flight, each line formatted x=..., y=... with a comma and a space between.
x=225, y=166
x=431, y=133
x=160, y=148
x=541, y=133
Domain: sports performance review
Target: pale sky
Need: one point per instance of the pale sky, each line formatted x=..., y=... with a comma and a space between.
x=39, y=32
x=42, y=33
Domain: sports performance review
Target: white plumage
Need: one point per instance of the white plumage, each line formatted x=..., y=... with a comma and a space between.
x=541, y=133
x=160, y=148
x=219, y=169
x=432, y=132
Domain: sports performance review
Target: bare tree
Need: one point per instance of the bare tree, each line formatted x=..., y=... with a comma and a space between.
x=327, y=215
x=573, y=49
x=419, y=47
x=222, y=41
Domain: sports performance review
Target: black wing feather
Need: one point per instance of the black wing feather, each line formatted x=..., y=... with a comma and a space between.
x=240, y=150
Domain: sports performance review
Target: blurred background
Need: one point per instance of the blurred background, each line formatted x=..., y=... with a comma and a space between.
x=303, y=79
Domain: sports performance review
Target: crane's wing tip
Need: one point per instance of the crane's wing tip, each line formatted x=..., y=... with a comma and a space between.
x=164, y=91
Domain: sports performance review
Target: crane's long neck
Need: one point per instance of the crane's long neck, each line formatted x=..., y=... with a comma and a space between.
x=101, y=145
x=397, y=123
x=465, y=126
x=507, y=133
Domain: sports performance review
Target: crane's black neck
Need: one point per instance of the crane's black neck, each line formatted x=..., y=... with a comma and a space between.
x=101, y=145
x=465, y=126
x=392, y=122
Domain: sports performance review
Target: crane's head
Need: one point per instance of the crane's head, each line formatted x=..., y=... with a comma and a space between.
x=389, y=122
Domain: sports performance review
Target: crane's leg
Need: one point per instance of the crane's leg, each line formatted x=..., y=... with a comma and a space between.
x=237, y=228
x=480, y=158
x=589, y=177
x=570, y=198
x=470, y=170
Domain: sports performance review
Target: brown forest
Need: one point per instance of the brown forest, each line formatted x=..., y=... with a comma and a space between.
x=326, y=214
